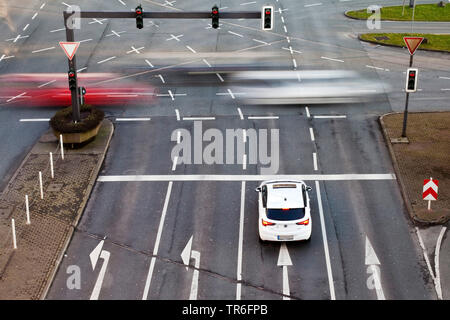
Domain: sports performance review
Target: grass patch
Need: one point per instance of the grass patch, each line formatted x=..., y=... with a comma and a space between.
x=435, y=41
x=423, y=12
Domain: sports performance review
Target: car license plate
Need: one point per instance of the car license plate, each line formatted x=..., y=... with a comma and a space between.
x=286, y=237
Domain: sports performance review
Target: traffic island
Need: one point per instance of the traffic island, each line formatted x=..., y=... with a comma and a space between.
x=432, y=42
x=425, y=155
x=27, y=271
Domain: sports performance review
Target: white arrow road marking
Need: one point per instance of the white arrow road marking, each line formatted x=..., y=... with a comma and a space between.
x=94, y=255
x=186, y=255
x=372, y=262
x=284, y=260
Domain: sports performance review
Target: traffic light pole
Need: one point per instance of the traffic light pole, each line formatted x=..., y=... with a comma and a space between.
x=73, y=66
x=405, y=113
x=132, y=15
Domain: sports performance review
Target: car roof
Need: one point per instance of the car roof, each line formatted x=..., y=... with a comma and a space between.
x=284, y=195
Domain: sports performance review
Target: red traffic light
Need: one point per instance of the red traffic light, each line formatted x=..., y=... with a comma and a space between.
x=267, y=11
x=138, y=11
x=412, y=74
x=215, y=12
x=71, y=74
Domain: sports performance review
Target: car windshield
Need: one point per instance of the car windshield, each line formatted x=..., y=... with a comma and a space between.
x=286, y=214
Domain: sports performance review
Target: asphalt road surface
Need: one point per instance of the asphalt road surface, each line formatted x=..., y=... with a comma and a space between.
x=145, y=211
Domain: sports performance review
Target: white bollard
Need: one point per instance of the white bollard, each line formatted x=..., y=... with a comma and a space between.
x=14, y=233
x=27, y=209
x=51, y=166
x=62, y=146
x=40, y=185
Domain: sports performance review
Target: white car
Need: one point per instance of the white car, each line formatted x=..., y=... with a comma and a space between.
x=284, y=211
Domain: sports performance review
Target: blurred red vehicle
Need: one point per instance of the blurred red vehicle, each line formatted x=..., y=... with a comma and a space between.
x=52, y=89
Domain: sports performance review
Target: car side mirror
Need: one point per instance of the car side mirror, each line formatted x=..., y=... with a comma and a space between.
x=258, y=189
x=308, y=188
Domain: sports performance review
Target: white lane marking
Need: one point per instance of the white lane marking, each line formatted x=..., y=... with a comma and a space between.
x=161, y=77
x=223, y=8
x=67, y=5
x=325, y=243
x=231, y=93
x=18, y=96
x=288, y=40
x=294, y=62
x=56, y=30
x=177, y=112
x=97, y=21
x=282, y=19
x=285, y=29
x=199, y=118
x=191, y=49
x=82, y=69
x=281, y=10
x=133, y=49
x=330, y=117
x=244, y=161
x=41, y=50
x=311, y=132
x=240, y=242
x=171, y=95
x=307, y=112
x=218, y=177
x=377, y=68
x=123, y=3
x=236, y=34
x=262, y=117
x=207, y=63
x=158, y=239
x=34, y=16
x=114, y=33
x=3, y=57
x=332, y=59
x=107, y=59
x=17, y=38
x=85, y=40
x=47, y=83
x=133, y=119
x=436, y=262
x=175, y=161
x=260, y=41
x=42, y=6
x=149, y=63
x=315, y=160
x=313, y=4
x=291, y=50
x=372, y=261
x=220, y=77
x=445, y=89
x=377, y=281
x=98, y=284
x=241, y=116
x=447, y=78
x=284, y=260
x=194, y=286
x=172, y=37
x=246, y=3
x=170, y=3
x=35, y=120
x=26, y=27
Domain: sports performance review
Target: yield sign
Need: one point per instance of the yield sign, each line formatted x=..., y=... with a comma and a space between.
x=69, y=48
x=412, y=43
x=430, y=189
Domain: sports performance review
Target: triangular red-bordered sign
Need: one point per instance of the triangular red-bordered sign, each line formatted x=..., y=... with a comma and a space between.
x=412, y=43
x=69, y=48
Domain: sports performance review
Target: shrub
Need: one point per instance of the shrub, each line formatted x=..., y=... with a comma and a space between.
x=90, y=118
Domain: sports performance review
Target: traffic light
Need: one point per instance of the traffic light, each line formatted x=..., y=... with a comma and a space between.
x=81, y=93
x=215, y=17
x=72, y=80
x=139, y=17
x=411, y=80
x=267, y=17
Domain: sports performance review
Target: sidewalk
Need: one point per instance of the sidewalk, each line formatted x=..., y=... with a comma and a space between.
x=426, y=155
x=26, y=272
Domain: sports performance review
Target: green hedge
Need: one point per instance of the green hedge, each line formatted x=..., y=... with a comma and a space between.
x=63, y=123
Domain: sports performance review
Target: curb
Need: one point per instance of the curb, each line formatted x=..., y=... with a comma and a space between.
x=87, y=194
x=417, y=221
x=397, y=46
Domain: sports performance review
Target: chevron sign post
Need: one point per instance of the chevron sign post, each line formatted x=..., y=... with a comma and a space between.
x=430, y=190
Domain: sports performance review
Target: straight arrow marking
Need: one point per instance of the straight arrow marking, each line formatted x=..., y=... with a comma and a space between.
x=371, y=257
x=95, y=254
x=186, y=253
x=284, y=260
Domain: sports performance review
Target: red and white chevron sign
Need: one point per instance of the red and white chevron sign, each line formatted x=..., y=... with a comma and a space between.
x=430, y=189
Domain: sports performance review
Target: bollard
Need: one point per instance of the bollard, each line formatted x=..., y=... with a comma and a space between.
x=40, y=185
x=51, y=166
x=62, y=146
x=27, y=207
x=14, y=233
